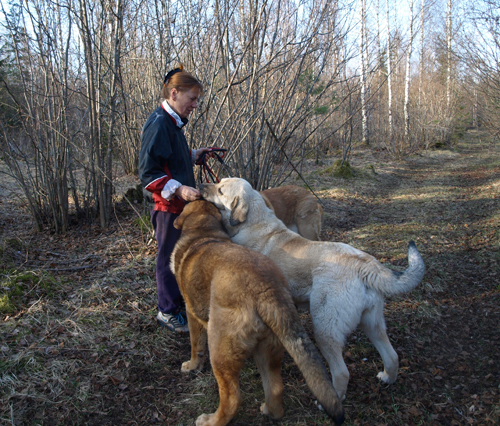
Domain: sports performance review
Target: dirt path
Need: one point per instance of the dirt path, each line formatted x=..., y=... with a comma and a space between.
x=81, y=346
x=449, y=203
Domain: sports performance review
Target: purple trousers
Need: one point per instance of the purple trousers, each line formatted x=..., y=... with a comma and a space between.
x=169, y=295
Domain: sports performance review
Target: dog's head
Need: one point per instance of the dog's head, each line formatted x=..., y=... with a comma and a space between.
x=198, y=214
x=232, y=196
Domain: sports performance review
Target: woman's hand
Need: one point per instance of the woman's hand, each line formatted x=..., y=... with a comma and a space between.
x=200, y=151
x=187, y=193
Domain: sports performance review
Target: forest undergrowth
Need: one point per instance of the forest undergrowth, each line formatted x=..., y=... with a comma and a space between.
x=79, y=344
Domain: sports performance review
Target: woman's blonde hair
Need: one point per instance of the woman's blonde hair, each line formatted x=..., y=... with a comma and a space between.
x=180, y=80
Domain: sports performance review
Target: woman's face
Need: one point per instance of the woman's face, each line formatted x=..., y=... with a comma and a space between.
x=183, y=103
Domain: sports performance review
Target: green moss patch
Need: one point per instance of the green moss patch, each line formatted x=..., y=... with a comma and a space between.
x=18, y=289
x=340, y=169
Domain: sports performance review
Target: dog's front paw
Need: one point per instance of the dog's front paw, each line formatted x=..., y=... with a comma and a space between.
x=384, y=377
x=190, y=365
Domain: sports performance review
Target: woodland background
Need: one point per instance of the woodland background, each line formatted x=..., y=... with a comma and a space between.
x=404, y=97
x=284, y=80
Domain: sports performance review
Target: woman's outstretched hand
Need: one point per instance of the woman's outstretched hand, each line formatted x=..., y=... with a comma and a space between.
x=187, y=193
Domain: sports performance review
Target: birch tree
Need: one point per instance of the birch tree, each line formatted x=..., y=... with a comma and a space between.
x=362, y=58
x=448, y=54
x=421, y=56
x=389, y=79
x=407, y=79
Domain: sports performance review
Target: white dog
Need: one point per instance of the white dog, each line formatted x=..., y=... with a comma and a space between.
x=343, y=286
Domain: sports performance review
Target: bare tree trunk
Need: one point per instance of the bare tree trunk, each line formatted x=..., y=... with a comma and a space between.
x=389, y=81
x=101, y=37
x=422, y=38
x=379, y=43
x=115, y=43
x=362, y=53
x=448, y=56
x=407, y=78
x=475, y=107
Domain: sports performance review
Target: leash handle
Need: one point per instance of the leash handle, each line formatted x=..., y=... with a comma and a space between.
x=219, y=154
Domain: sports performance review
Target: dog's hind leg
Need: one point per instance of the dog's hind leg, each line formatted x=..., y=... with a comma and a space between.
x=332, y=351
x=198, y=339
x=373, y=324
x=268, y=356
x=331, y=325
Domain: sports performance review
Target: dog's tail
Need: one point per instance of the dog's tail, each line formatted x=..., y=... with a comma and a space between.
x=284, y=321
x=392, y=282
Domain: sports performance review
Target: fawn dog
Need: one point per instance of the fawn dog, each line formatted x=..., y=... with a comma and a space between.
x=240, y=302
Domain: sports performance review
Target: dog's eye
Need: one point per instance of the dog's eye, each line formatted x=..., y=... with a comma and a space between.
x=220, y=191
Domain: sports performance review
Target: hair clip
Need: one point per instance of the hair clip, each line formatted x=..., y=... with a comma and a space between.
x=170, y=74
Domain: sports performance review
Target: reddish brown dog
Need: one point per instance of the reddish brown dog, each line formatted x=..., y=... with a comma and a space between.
x=297, y=208
x=239, y=301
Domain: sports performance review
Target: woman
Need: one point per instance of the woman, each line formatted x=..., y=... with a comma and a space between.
x=166, y=173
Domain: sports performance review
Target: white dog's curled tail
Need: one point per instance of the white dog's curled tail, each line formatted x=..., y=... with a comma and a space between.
x=392, y=282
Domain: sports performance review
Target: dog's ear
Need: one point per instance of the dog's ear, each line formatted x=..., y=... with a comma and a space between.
x=179, y=221
x=239, y=211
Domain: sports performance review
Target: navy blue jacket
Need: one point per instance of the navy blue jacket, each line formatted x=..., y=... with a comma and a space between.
x=164, y=155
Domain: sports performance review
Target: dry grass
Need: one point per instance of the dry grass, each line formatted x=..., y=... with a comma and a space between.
x=79, y=345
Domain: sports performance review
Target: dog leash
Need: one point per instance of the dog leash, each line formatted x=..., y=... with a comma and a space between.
x=205, y=169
